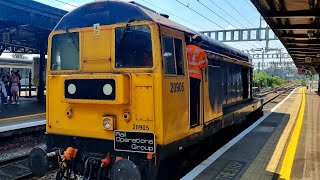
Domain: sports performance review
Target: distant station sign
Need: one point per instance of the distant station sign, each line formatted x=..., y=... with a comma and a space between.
x=311, y=59
x=6, y=37
x=308, y=59
x=303, y=71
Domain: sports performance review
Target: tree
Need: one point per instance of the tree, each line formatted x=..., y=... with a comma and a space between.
x=19, y=56
x=263, y=80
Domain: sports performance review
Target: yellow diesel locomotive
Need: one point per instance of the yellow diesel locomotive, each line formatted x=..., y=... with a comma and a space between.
x=118, y=93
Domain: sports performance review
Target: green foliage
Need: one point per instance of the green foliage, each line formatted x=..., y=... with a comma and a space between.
x=19, y=56
x=263, y=80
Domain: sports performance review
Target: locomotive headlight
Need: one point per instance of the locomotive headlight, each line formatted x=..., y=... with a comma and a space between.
x=72, y=89
x=107, y=89
x=108, y=123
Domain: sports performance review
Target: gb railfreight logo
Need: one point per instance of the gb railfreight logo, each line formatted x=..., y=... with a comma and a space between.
x=143, y=142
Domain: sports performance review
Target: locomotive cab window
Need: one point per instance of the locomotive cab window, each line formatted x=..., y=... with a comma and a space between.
x=179, y=56
x=65, y=52
x=133, y=47
x=172, y=55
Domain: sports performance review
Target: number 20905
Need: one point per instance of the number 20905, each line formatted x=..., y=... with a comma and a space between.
x=176, y=87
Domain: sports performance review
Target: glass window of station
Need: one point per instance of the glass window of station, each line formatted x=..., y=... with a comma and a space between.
x=133, y=47
x=65, y=52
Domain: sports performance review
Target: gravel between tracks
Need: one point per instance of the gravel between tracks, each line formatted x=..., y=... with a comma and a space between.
x=50, y=176
x=19, y=146
x=267, y=107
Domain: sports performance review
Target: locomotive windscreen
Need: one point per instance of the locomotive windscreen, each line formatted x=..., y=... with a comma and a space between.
x=65, y=52
x=133, y=47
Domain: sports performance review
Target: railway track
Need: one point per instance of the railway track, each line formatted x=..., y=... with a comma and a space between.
x=15, y=152
x=14, y=169
x=278, y=92
x=270, y=91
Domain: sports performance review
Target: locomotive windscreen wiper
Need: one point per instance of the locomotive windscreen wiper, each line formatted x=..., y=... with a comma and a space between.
x=70, y=36
x=124, y=32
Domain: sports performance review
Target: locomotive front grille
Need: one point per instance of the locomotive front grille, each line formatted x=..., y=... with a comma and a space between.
x=91, y=89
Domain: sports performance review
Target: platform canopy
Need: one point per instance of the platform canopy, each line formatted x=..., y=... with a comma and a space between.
x=26, y=24
x=296, y=23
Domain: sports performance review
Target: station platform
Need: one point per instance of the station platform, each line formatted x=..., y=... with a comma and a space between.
x=26, y=106
x=283, y=144
x=29, y=113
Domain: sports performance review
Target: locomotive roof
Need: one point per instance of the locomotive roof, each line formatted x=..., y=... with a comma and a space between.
x=114, y=12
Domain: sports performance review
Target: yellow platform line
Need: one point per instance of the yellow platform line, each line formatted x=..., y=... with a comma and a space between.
x=21, y=117
x=285, y=170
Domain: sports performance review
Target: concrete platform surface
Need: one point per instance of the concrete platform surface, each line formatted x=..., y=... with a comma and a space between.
x=306, y=164
x=27, y=106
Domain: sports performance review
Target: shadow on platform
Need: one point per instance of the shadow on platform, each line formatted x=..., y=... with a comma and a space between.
x=266, y=154
x=256, y=153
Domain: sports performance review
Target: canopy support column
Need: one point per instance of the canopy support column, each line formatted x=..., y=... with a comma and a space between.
x=41, y=72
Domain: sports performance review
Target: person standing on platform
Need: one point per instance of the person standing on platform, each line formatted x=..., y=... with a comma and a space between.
x=19, y=83
x=197, y=62
x=3, y=90
x=2, y=73
x=14, y=87
x=10, y=85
